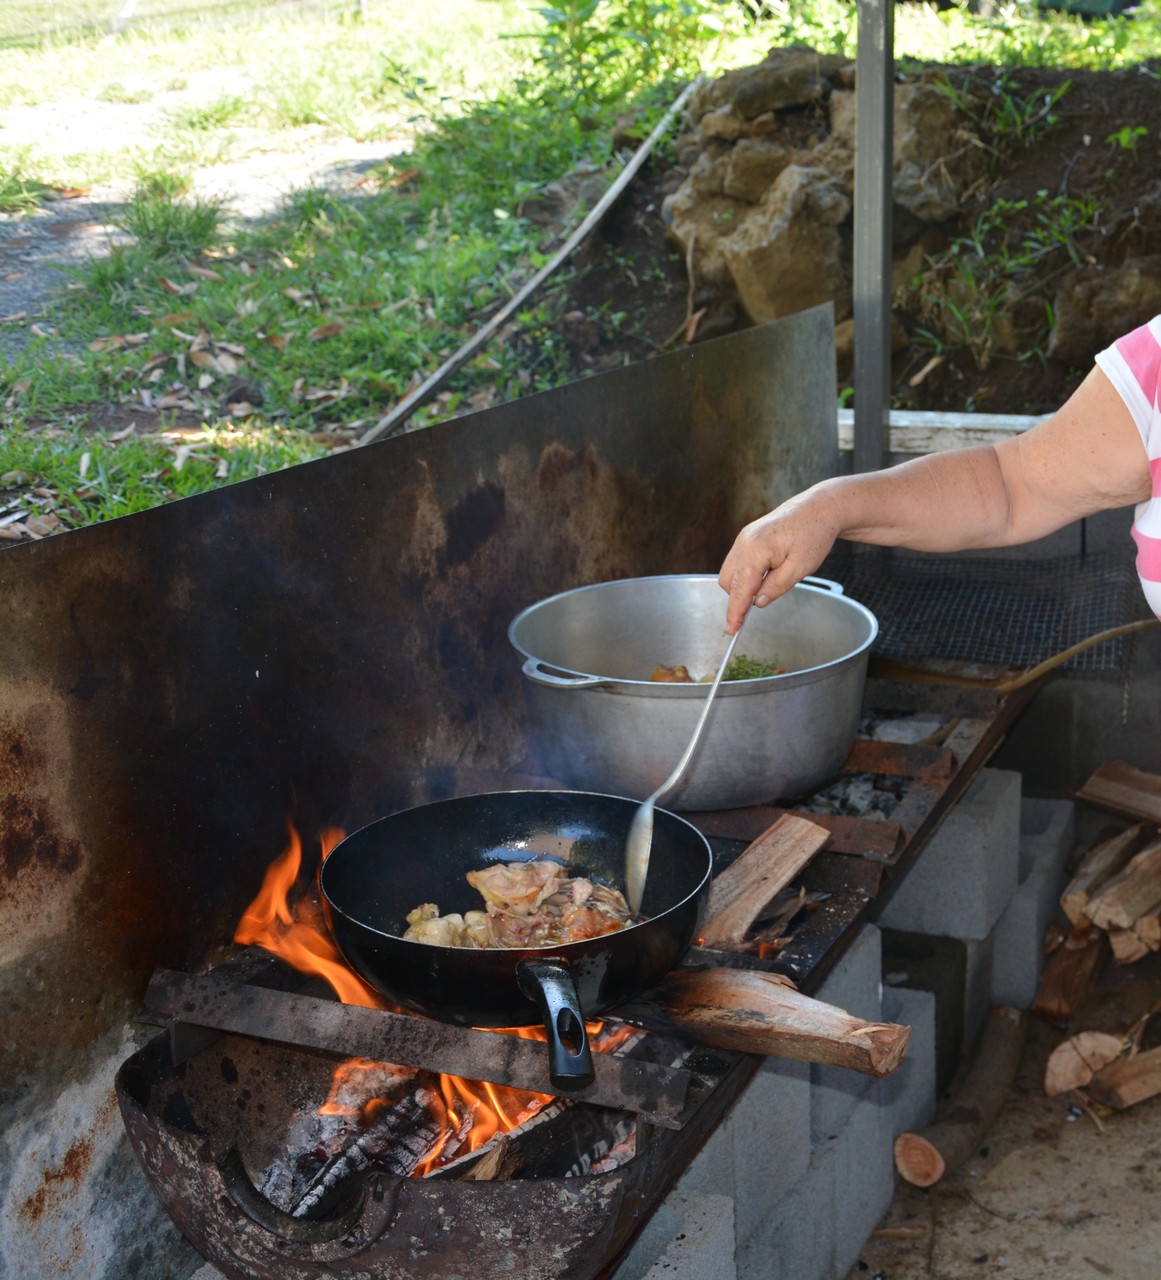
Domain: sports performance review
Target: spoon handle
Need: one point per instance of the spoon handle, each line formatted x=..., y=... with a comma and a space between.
x=675, y=777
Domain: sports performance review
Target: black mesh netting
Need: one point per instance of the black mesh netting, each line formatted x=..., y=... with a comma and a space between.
x=1011, y=613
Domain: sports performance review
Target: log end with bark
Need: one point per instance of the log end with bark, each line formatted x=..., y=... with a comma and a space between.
x=924, y=1158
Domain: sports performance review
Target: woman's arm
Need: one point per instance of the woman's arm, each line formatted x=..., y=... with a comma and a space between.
x=1087, y=457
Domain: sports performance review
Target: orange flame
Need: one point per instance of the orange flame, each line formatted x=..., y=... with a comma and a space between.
x=295, y=930
x=284, y=920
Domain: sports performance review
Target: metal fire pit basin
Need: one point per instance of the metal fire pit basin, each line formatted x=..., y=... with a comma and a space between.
x=203, y=1130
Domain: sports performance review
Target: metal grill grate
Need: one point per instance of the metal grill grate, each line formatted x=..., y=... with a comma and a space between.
x=1011, y=613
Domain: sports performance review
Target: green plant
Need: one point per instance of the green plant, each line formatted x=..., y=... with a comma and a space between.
x=988, y=292
x=18, y=192
x=1127, y=137
x=170, y=228
x=1003, y=114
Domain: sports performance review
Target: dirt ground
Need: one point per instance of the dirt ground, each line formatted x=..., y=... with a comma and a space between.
x=1054, y=1192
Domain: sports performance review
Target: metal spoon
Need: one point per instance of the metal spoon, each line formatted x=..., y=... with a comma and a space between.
x=640, y=841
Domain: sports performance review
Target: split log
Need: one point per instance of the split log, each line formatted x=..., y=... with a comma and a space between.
x=1103, y=861
x=1071, y=974
x=1132, y=892
x=1120, y=787
x=923, y=1158
x=739, y=895
x=749, y=1011
x=1074, y=1062
x=1128, y=1080
x=1127, y=945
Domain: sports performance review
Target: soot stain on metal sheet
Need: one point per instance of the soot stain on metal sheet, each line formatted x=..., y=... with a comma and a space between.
x=472, y=521
x=27, y=836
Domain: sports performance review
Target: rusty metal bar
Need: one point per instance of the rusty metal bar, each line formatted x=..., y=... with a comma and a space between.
x=664, y=1096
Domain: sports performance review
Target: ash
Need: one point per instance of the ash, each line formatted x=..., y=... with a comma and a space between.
x=913, y=727
x=862, y=795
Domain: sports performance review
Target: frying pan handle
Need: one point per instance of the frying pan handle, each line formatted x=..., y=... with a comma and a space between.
x=549, y=983
x=537, y=672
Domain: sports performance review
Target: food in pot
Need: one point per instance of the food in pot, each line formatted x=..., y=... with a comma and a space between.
x=740, y=667
x=661, y=674
x=529, y=904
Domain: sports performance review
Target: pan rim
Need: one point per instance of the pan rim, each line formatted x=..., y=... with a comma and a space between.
x=543, y=952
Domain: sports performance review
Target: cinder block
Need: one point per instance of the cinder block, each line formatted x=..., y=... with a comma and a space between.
x=772, y=1114
x=864, y=1178
x=930, y=962
x=796, y=1240
x=965, y=877
x=855, y=984
x=908, y=1095
x=1047, y=833
x=817, y=1229
x=690, y=1237
x=977, y=993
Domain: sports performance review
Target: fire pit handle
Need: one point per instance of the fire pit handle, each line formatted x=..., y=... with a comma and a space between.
x=549, y=983
x=365, y=1216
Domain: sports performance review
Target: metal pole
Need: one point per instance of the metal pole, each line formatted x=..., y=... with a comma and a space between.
x=874, y=105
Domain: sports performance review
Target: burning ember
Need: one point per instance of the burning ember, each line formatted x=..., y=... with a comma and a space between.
x=408, y=1122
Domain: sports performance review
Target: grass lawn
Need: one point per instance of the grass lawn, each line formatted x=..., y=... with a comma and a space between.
x=342, y=300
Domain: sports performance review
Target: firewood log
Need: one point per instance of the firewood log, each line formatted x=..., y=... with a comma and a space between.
x=1120, y=787
x=1128, y=1080
x=1074, y=1062
x=1099, y=864
x=1127, y=945
x=749, y=1011
x=923, y=1158
x=757, y=876
x=1071, y=974
x=1132, y=892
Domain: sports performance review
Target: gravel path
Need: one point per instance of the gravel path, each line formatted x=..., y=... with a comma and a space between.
x=38, y=249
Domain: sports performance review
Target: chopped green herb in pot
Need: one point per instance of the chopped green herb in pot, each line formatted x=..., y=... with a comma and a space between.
x=742, y=667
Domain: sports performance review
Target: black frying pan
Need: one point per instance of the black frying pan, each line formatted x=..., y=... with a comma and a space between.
x=374, y=877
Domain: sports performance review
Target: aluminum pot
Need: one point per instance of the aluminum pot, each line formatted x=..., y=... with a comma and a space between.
x=600, y=724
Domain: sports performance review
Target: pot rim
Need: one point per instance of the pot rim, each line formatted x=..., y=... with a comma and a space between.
x=800, y=675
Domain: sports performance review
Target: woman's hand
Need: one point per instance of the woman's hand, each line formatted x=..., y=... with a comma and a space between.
x=773, y=553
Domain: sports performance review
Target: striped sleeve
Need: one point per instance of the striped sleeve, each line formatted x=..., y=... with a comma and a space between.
x=1133, y=365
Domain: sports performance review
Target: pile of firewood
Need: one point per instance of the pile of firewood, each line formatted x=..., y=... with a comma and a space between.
x=1112, y=906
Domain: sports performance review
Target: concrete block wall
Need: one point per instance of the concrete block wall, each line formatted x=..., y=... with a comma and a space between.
x=806, y=1152
x=1047, y=838
x=988, y=879
x=965, y=878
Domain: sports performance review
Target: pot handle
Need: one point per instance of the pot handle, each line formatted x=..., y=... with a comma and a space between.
x=537, y=672
x=549, y=983
x=827, y=584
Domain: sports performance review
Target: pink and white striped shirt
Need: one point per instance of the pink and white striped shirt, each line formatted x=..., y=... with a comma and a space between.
x=1133, y=365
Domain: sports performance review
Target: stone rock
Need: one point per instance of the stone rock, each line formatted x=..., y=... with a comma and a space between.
x=722, y=124
x=699, y=220
x=935, y=159
x=788, y=254
x=1094, y=306
x=786, y=77
x=750, y=168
